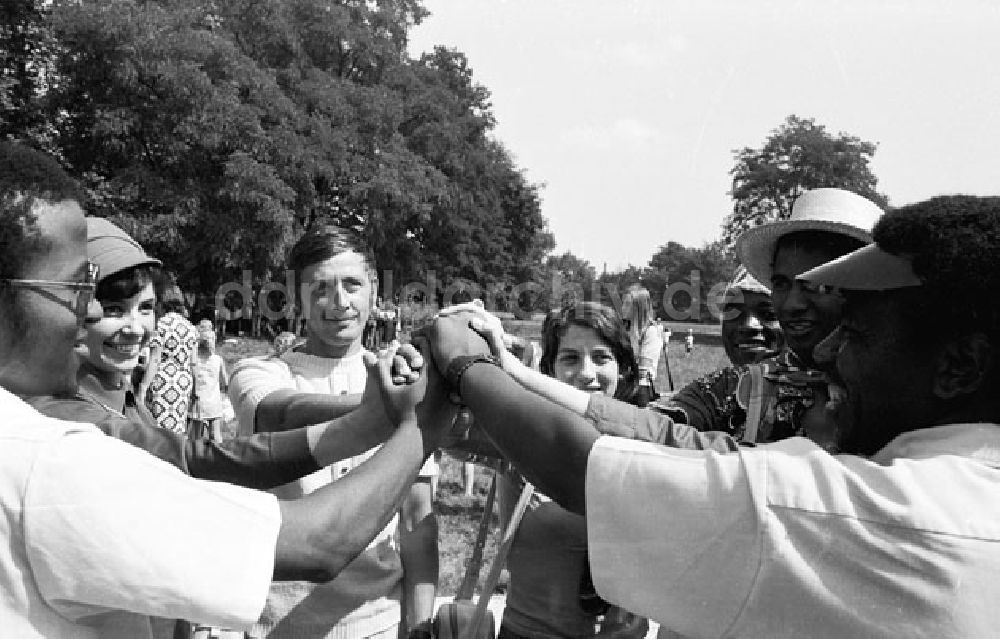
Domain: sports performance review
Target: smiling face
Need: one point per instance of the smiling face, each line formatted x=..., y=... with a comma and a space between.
x=887, y=373
x=585, y=361
x=339, y=296
x=806, y=315
x=750, y=328
x=114, y=343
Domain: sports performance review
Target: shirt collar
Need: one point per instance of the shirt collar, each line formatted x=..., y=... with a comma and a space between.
x=94, y=389
x=979, y=441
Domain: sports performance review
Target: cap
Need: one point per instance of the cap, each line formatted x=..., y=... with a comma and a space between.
x=743, y=281
x=112, y=249
x=867, y=269
x=831, y=210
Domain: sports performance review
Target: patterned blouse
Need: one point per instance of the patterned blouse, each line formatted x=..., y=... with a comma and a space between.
x=170, y=389
x=718, y=401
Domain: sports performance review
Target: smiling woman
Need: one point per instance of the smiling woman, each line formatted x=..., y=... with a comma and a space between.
x=110, y=351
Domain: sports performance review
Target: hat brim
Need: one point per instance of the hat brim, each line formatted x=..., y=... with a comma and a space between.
x=867, y=269
x=755, y=247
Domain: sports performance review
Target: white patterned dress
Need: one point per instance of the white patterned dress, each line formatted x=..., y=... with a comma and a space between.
x=170, y=389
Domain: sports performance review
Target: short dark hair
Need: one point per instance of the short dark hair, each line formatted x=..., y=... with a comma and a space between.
x=27, y=176
x=321, y=242
x=608, y=325
x=833, y=244
x=954, y=244
x=125, y=283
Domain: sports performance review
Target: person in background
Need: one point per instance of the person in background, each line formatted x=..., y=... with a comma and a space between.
x=689, y=342
x=391, y=585
x=210, y=384
x=171, y=365
x=87, y=551
x=750, y=328
x=647, y=340
x=750, y=333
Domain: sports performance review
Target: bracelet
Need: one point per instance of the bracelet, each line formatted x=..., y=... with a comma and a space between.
x=458, y=366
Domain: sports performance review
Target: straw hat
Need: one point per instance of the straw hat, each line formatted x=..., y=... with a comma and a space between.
x=832, y=210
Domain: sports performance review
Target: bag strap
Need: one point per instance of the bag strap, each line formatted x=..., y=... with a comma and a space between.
x=666, y=360
x=755, y=405
x=501, y=558
x=468, y=585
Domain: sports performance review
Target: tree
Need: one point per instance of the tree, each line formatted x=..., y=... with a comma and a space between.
x=27, y=53
x=797, y=156
x=689, y=275
x=215, y=132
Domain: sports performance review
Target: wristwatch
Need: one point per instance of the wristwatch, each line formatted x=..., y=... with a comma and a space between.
x=458, y=366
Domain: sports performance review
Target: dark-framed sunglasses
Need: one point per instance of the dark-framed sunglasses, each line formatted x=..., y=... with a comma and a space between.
x=84, y=290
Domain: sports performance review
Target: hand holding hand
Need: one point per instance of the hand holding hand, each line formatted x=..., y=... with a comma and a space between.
x=483, y=322
x=450, y=337
x=406, y=364
x=423, y=402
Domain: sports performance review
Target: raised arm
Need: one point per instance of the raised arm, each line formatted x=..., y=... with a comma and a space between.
x=330, y=526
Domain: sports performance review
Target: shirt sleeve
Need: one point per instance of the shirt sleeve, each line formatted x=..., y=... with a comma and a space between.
x=252, y=380
x=673, y=535
x=109, y=527
x=708, y=402
x=613, y=417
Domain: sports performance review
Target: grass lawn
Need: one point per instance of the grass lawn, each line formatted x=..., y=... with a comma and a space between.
x=458, y=515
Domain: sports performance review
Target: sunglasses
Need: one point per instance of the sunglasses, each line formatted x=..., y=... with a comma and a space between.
x=84, y=291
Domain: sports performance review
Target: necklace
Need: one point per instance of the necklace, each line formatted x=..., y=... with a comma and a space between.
x=84, y=395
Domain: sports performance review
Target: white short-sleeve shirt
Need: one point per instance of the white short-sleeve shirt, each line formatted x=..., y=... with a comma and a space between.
x=785, y=540
x=100, y=535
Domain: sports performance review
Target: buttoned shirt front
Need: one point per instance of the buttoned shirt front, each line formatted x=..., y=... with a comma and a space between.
x=785, y=540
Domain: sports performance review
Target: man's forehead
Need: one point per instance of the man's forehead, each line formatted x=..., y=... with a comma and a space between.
x=343, y=264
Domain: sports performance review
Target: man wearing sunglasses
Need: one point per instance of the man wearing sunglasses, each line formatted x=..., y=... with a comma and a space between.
x=97, y=535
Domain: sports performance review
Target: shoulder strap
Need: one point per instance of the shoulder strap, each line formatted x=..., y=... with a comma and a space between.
x=505, y=543
x=755, y=404
x=468, y=584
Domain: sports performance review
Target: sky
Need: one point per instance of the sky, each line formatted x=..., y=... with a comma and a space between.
x=627, y=112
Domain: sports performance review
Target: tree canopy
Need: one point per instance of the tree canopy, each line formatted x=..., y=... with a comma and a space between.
x=215, y=132
x=797, y=156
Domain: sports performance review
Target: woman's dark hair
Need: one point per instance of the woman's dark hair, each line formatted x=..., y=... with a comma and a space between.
x=125, y=283
x=608, y=326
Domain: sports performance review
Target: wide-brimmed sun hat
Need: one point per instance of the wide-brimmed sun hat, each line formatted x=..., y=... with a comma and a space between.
x=112, y=249
x=832, y=210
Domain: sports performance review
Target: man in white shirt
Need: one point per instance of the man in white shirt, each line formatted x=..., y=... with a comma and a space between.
x=336, y=291
x=894, y=531
x=96, y=532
